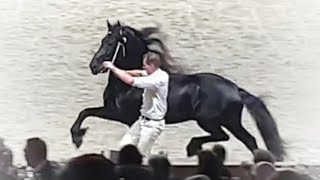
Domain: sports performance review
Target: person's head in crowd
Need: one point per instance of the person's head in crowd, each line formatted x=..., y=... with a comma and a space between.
x=130, y=154
x=160, y=166
x=220, y=151
x=2, y=145
x=290, y=174
x=5, y=159
x=35, y=151
x=4, y=176
x=209, y=164
x=89, y=167
x=6, y=156
x=263, y=170
x=197, y=177
x=262, y=155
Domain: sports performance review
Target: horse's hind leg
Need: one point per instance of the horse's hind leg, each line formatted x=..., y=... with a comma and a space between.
x=233, y=124
x=211, y=126
x=243, y=135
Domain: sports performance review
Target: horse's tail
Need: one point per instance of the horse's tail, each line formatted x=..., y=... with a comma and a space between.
x=265, y=123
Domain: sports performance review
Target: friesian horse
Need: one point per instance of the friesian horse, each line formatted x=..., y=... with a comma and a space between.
x=209, y=99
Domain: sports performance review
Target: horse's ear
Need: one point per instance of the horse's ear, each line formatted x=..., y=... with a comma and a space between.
x=109, y=25
x=118, y=23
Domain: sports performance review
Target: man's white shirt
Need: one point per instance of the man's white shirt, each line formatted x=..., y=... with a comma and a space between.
x=155, y=85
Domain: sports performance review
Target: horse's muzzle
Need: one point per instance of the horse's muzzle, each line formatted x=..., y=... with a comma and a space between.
x=103, y=70
x=94, y=71
x=98, y=69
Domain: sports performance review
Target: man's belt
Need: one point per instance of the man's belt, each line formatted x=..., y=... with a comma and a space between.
x=148, y=119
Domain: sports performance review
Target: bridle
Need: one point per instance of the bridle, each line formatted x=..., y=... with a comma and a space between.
x=120, y=44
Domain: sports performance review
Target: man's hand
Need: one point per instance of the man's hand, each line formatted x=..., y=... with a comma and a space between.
x=109, y=65
x=121, y=74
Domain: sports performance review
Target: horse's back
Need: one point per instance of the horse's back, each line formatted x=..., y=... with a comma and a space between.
x=217, y=93
x=208, y=83
x=183, y=94
x=189, y=93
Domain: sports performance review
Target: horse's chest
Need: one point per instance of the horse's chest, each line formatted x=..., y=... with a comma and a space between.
x=128, y=100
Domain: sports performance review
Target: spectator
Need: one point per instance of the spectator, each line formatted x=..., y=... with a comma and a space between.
x=262, y=155
x=209, y=166
x=36, y=157
x=130, y=165
x=89, y=167
x=259, y=156
x=129, y=154
x=7, y=169
x=220, y=151
x=161, y=168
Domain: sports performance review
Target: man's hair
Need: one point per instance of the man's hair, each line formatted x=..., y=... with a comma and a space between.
x=38, y=146
x=153, y=58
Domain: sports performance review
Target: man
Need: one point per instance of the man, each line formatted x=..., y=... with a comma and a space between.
x=7, y=169
x=6, y=165
x=36, y=157
x=130, y=165
x=155, y=82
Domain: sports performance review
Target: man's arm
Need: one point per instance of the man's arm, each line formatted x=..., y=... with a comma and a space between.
x=136, y=72
x=121, y=74
x=148, y=82
x=140, y=82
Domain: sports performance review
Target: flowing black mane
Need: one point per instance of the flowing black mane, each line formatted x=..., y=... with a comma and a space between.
x=150, y=36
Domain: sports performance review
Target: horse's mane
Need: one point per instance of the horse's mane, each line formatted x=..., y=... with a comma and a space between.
x=156, y=45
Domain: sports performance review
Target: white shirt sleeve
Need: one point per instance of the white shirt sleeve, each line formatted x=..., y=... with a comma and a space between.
x=148, y=82
x=144, y=73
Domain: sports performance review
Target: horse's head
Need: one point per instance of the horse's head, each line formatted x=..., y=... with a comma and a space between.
x=125, y=47
x=122, y=46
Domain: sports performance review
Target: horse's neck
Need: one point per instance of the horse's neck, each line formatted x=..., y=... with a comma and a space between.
x=116, y=84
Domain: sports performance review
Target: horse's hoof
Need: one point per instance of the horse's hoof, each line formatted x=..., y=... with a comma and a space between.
x=190, y=154
x=77, y=137
x=78, y=143
x=193, y=149
x=77, y=140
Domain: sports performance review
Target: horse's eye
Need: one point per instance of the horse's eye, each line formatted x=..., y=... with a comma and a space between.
x=109, y=32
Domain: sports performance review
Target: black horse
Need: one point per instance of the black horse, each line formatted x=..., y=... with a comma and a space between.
x=211, y=100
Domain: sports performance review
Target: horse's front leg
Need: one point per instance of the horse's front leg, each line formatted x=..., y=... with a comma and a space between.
x=77, y=132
